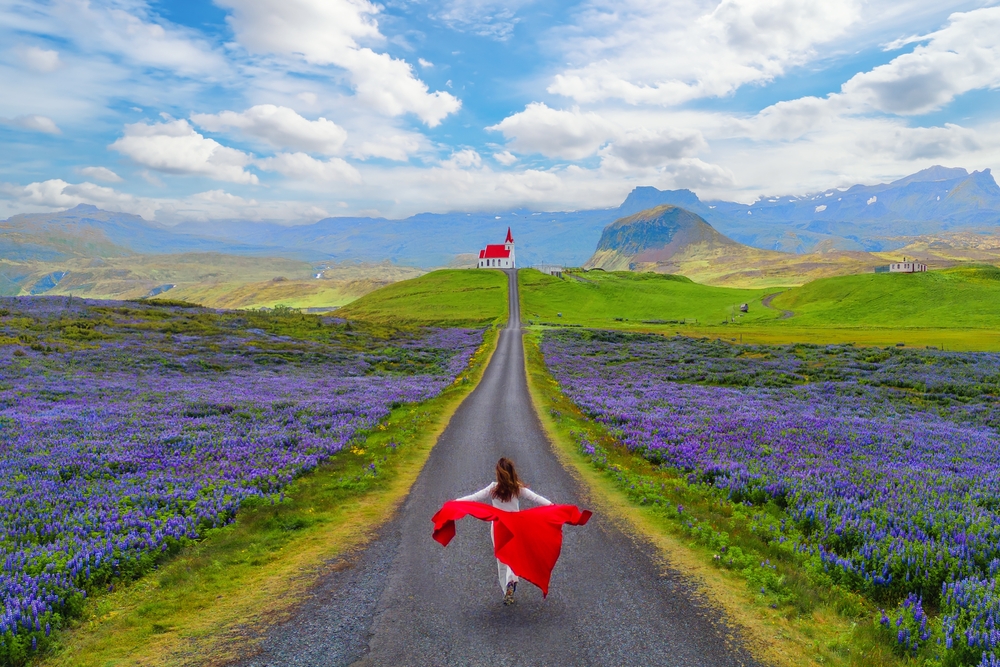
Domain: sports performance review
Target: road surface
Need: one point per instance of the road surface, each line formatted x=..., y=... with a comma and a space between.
x=405, y=600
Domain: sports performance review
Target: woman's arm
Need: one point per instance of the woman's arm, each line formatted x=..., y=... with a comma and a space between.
x=528, y=494
x=481, y=496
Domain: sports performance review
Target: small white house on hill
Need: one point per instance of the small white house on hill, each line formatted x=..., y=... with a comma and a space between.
x=498, y=256
x=907, y=266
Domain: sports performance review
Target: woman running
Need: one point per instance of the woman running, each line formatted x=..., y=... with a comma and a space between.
x=505, y=494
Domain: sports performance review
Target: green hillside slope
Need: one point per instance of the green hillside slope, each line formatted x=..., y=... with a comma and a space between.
x=963, y=297
x=450, y=297
x=622, y=299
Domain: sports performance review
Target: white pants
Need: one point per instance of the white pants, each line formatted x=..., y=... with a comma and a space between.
x=505, y=575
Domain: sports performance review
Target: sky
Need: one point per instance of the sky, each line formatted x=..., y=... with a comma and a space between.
x=296, y=110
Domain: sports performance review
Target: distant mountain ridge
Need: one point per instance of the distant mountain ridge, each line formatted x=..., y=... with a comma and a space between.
x=860, y=218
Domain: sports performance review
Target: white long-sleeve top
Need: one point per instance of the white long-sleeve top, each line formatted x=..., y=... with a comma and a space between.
x=512, y=505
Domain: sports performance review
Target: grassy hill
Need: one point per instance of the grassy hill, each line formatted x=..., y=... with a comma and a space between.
x=963, y=297
x=622, y=299
x=450, y=297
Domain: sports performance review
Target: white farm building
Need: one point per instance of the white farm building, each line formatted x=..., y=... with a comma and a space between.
x=906, y=266
x=498, y=256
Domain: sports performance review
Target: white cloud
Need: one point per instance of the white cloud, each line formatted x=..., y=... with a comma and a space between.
x=463, y=159
x=33, y=122
x=174, y=147
x=962, y=56
x=695, y=174
x=384, y=142
x=304, y=167
x=916, y=143
x=653, y=148
x=125, y=28
x=571, y=135
x=506, y=158
x=280, y=127
x=57, y=193
x=101, y=174
x=426, y=64
x=39, y=60
x=332, y=32
x=488, y=18
x=669, y=53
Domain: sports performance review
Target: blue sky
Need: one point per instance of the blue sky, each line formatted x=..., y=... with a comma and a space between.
x=294, y=110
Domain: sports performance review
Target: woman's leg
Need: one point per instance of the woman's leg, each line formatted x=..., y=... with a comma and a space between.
x=505, y=575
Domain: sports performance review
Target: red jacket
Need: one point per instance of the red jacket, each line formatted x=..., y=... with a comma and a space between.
x=528, y=542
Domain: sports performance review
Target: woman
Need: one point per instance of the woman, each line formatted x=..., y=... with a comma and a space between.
x=505, y=494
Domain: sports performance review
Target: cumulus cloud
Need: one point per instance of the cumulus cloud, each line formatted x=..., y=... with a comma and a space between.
x=923, y=143
x=385, y=143
x=280, y=127
x=570, y=135
x=506, y=158
x=962, y=56
x=463, y=159
x=695, y=174
x=669, y=53
x=39, y=60
x=101, y=174
x=174, y=147
x=57, y=193
x=33, y=122
x=333, y=32
x=653, y=148
x=305, y=167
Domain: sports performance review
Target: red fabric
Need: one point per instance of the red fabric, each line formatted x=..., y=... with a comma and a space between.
x=527, y=542
x=494, y=251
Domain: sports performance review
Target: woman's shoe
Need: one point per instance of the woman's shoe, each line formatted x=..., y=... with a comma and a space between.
x=508, y=597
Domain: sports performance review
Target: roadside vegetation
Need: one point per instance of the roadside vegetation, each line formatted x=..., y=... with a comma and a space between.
x=715, y=541
x=305, y=430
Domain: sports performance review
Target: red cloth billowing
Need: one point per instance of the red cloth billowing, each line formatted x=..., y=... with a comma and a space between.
x=527, y=542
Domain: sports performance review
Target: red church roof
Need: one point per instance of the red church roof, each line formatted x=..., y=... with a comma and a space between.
x=493, y=251
x=510, y=238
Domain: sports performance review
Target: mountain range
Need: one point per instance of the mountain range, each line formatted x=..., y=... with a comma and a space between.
x=873, y=218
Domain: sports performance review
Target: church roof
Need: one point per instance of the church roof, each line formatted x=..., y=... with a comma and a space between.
x=510, y=237
x=494, y=251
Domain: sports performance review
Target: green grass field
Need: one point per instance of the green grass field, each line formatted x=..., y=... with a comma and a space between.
x=963, y=297
x=956, y=309
x=620, y=299
x=450, y=297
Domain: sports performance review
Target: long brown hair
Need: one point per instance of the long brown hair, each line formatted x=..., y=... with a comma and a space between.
x=508, y=483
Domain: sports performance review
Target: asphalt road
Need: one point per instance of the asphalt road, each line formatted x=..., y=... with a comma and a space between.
x=405, y=600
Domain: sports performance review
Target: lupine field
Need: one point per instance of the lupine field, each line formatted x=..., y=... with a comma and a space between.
x=879, y=468
x=127, y=429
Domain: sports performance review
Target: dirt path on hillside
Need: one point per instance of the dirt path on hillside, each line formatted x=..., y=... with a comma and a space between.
x=405, y=600
x=766, y=302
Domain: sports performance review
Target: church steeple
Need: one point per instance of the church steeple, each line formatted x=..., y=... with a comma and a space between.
x=510, y=237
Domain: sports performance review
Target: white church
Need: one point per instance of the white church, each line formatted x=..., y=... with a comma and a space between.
x=496, y=256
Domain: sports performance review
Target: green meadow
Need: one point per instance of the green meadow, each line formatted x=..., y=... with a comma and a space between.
x=450, y=297
x=620, y=299
x=956, y=309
